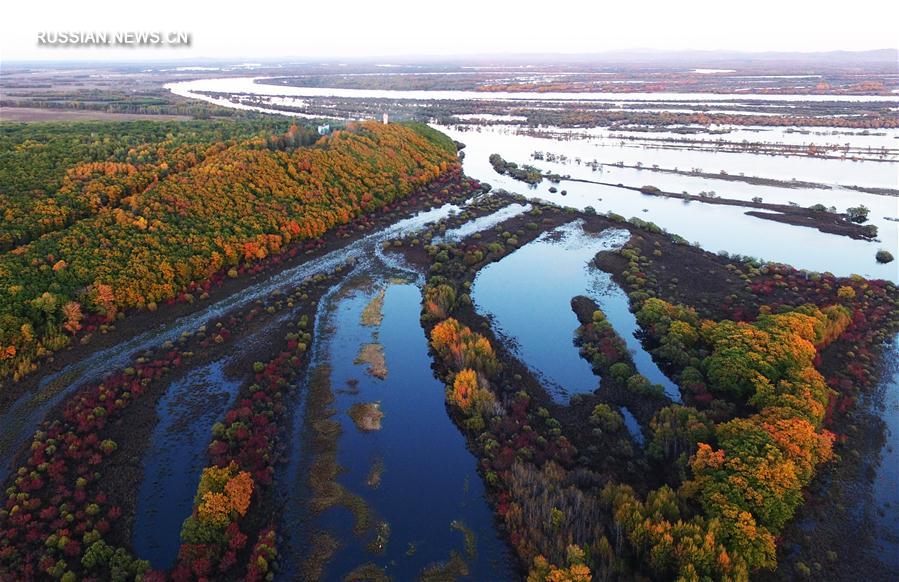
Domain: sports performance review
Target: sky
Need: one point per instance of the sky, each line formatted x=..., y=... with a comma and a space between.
x=337, y=28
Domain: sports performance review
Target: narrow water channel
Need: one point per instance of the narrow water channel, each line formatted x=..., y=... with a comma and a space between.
x=175, y=458
x=418, y=480
x=411, y=468
x=886, y=482
x=528, y=293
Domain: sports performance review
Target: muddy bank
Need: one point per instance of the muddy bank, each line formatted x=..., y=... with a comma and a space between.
x=872, y=190
x=826, y=222
x=823, y=221
x=759, y=181
x=754, y=180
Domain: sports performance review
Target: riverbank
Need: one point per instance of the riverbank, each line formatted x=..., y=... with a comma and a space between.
x=822, y=220
x=756, y=180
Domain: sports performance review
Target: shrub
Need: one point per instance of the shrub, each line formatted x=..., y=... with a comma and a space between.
x=858, y=213
x=605, y=419
x=621, y=371
x=462, y=348
x=439, y=300
x=223, y=496
x=846, y=292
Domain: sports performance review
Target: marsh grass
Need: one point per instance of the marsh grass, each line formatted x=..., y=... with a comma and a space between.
x=471, y=538
x=373, y=355
x=373, y=315
x=367, y=573
x=373, y=479
x=326, y=492
x=321, y=551
x=454, y=568
x=366, y=416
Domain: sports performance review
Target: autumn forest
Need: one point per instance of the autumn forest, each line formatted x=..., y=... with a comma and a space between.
x=95, y=226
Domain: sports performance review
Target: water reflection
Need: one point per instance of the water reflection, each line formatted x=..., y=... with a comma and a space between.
x=426, y=479
x=713, y=227
x=175, y=458
x=528, y=293
x=886, y=482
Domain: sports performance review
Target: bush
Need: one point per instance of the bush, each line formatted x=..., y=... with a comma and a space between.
x=620, y=372
x=846, y=292
x=439, y=300
x=858, y=213
x=605, y=419
x=640, y=385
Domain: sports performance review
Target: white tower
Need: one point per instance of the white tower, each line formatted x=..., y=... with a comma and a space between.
x=384, y=117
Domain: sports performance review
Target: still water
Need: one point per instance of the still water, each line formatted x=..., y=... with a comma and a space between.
x=528, y=293
x=251, y=86
x=714, y=227
x=426, y=478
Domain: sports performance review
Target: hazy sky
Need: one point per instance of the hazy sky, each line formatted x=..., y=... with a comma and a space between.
x=247, y=29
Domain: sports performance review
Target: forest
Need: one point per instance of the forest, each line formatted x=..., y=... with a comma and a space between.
x=102, y=219
x=53, y=175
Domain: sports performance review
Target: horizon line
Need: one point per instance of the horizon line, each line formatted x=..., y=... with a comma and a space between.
x=449, y=57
